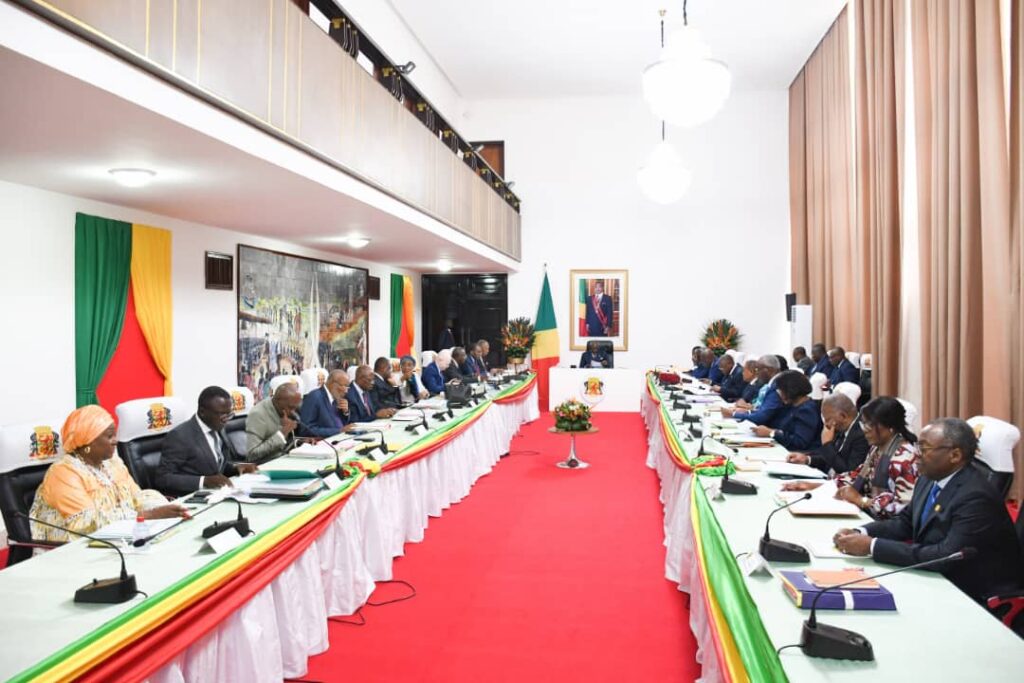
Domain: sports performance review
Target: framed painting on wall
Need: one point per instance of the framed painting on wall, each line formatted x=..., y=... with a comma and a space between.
x=296, y=313
x=599, y=306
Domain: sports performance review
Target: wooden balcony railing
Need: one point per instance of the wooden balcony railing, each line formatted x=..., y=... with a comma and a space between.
x=267, y=63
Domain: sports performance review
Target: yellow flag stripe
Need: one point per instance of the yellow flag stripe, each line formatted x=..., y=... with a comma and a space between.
x=545, y=345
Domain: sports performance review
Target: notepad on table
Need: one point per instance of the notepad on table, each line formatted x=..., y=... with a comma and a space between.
x=123, y=529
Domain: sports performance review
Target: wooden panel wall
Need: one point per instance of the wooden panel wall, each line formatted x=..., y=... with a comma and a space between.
x=269, y=61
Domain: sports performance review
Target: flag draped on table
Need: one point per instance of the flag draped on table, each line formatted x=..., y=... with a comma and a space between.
x=545, y=343
x=123, y=311
x=402, y=335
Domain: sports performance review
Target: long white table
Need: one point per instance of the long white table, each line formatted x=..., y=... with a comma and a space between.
x=936, y=634
x=271, y=636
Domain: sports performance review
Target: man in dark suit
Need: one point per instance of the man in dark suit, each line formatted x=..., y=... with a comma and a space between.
x=481, y=360
x=843, y=445
x=446, y=339
x=595, y=357
x=196, y=454
x=455, y=369
x=732, y=384
x=803, y=362
x=599, y=312
x=325, y=410
x=820, y=357
x=768, y=409
x=842, y=369
x=386, y=393
x=953, y=507
x=470, y=369
x=362, y=404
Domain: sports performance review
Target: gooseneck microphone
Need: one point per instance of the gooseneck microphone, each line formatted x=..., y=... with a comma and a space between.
x=424, y=423
x=240, y=524
x=99, y=591
x=782, y=551
x=832, y=642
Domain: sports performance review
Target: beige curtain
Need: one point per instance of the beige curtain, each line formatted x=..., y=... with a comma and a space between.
x=823, y=244
x=880, y=63
x=964, y=206
x=1016, y=368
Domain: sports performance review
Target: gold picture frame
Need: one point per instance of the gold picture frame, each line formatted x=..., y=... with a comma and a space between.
x=609, y=318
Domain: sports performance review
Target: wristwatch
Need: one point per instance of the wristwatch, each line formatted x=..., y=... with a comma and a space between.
x=865, y=502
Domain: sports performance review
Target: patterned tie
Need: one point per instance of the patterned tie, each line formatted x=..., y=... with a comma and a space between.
x=929, y=504
x=337, y=413
x=366, y=402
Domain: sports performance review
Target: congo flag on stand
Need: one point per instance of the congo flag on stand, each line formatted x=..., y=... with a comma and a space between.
x=545, y=344
x=401, y=315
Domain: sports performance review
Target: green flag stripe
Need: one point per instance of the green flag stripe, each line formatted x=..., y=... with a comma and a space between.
x=546, y=309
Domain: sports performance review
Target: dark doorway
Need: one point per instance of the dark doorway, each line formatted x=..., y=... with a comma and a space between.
x=477, y=306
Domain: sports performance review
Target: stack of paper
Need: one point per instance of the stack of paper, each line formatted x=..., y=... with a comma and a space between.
x=823, y=502
x=122, y=530
x=407, y=415
x=287, y=488
x=321, y=449
x=788, y=470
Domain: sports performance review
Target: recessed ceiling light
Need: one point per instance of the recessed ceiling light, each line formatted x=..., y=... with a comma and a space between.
x=444, y=265
x=358, y=242
x=132, y=177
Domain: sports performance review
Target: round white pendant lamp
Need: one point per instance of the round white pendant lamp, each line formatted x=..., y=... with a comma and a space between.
x=664, y=179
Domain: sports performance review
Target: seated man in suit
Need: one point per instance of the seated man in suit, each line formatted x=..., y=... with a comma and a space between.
x=410, y=386
x=484, y=350
x=953, y=507
x=594, y=357
x=273, y=424
x=195, y=454
x=768, y=409
x=433, y=373
x=752, y=385
x=325, y=410
x=820, y=358
x=455, y=369
x=803, y=363
x=701, y=363
x=384, y=391
x=842, y=369
x=843, y=445
x=362, y=404
x=732, y=384
x=470, y=370
x=715, y=375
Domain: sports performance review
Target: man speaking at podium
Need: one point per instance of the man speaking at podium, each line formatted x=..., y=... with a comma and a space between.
x=599, y=313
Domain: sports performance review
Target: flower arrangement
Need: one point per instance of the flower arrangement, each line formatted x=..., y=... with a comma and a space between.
x=720, y=336
x=517, y=337
x=572, y=416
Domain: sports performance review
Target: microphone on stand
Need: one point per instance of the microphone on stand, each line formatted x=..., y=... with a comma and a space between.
x=832, y=642
x=100, y=591
x=424, y=424
x=241, y=524
x=736, y=487
x=775, y=550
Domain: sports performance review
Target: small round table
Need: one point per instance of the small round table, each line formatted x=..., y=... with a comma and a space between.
x=572, y=462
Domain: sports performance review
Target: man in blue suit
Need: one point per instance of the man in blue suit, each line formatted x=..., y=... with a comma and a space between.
x=433, y=374
x=362, y=404
x=715, y=374
x=732, y=384
x=820, y=358
x=701, y=363
x=599, y=312
x=325, y=410
x=471, y=368
x=842, y=370
x=768, y=409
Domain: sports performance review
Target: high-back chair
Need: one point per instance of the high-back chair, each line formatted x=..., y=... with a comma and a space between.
x=854, y=358
x=242, y=402
x=26, y=451
x=818, y=381
x=312, y=378
x=996, y=441
x=912, y=413
x=276, y=382
x=851, y=390
x=141, y=426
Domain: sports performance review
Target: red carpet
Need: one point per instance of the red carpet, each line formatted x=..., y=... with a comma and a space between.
x=541, y=574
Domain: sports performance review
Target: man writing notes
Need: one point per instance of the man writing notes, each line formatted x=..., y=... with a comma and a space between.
x=325, y=410
x=594, y=357
x=599, y=312
x=953, y=507
x=362, y=404
x=273, y=423
x=843, y=445
x=196, y=454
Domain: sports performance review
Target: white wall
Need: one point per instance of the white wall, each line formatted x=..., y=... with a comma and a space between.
x=723, y=251
x=37, y=275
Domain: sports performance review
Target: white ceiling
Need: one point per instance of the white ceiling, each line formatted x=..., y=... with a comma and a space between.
x=545, y=48
x=61, y=134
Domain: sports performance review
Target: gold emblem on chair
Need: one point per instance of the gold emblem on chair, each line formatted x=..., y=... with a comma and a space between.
x=44, y=443
x=158, y=416
x=237, y=401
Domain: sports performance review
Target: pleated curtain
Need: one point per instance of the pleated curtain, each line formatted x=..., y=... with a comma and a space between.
x=151, y=285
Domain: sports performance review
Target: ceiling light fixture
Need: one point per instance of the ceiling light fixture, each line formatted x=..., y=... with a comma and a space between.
x=444, y=265
x=358, y=242
x=664, y=179
x=686, y=86
x=132, y=177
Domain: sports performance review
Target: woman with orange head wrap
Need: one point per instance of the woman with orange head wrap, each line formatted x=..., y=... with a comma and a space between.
x=89, y=487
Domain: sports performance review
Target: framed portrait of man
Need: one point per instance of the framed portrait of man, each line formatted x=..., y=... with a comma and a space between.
x=599, y=306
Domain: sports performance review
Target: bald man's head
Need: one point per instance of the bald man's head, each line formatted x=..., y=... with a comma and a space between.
x=337, y=384
x=364, y=377
x=287, y=398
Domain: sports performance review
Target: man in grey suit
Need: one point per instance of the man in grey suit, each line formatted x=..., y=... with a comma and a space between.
x=196, y=454
x=273, y=424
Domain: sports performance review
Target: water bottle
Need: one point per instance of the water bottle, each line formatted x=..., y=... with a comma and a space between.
x=141, y=529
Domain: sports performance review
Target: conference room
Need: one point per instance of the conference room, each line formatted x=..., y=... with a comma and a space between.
x=352, y=340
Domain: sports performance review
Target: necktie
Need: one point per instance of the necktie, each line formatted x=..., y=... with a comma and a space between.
x=337, y=413
x=930, y=503
x=366, y=402
x=216, y=448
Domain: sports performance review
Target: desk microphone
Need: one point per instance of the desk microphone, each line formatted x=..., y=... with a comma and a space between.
x=337, y=461
x=100, y=591
x=241, y=524
x=735, y=487
x=782, y=551
x=383, y=446
x=832, y=642
x=424, y=424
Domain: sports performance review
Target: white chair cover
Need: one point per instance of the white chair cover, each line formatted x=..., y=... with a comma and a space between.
x=996, y=441
x=281, y=379
x=312, y=378
x=242, y=400
x=352, y=372
x=851, y=390
x=149, y=416
x=865, y=361
x=911, y=413
x=818, y=380
x=29, y=443
x=854, y=358
x=426, y=358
